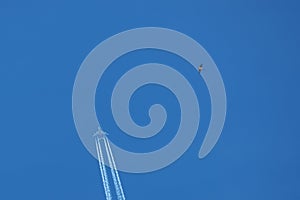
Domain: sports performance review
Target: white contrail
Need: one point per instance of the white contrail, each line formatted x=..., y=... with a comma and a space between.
x=110, y=154
x=102, y=169
x=113, y=171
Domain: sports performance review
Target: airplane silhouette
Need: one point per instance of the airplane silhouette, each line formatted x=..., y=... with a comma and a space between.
x=100, y=133
x=200, y=68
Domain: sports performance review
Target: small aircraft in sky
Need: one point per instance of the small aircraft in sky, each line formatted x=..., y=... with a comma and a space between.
x=100, y=133
x=200, y=68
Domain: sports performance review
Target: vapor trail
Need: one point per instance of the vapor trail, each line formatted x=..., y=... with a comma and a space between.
x=114, y=171
x=102, y=169
x=110, y=154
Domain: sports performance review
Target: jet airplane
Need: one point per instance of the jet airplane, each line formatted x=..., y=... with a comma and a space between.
x=100, y=133
x=200, y=68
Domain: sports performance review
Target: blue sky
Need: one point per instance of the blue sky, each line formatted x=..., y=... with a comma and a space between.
x=255, y=44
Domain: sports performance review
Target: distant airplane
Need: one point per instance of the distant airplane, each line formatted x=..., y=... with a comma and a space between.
x=100, y=133
x=200, y=68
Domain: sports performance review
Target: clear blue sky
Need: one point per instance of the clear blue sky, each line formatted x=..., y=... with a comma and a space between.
x=256, y=47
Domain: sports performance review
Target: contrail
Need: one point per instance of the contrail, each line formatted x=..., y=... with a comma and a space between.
x=114, y=171
x=102, y=169
x=99, y=136
x=121, y=192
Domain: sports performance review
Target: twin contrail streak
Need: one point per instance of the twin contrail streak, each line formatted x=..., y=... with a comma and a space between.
x=103, y=170
x=114, y=172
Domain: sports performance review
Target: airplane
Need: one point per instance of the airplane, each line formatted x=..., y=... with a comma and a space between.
x=200, y=68
x=100, y=133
